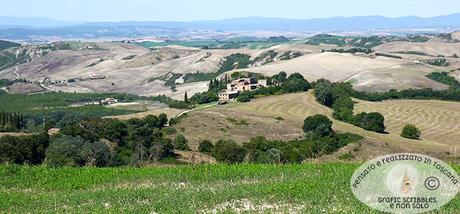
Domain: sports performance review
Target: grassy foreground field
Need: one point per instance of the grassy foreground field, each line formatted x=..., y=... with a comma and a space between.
x=307, y=188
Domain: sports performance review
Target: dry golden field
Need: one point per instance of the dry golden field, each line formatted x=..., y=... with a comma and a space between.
x=439, y=121
x=281, y=118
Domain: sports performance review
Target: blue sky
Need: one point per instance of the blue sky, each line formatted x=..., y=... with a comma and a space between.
x=188, y=10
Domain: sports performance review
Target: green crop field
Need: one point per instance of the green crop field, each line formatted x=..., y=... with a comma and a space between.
x=307, y=188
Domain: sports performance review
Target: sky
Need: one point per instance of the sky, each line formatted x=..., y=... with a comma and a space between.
x=190, y=10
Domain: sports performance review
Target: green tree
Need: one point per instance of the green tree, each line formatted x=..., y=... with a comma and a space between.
x=181, y=143
x=296, y=83
x=318, y=124
x=186, y=97
x=323, y=92
x=162, y=121
x=116, y=130
x=281, y=77
x=65, y=151
x=228, y=152
x=411, y=132
x=371, y=121
x=236, y=75
x=206, y=146
x=23, y=149
x=343, y=109
x=96, y=154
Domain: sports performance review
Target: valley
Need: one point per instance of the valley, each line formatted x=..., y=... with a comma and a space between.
x=230, y=106
x=151, y=70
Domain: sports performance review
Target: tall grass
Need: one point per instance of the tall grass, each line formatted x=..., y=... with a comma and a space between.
x=307, y=188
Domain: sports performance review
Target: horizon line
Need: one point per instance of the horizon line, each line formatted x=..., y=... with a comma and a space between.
x=224, y=19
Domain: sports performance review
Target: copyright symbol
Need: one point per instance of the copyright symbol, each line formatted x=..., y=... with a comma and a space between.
x=432, y=183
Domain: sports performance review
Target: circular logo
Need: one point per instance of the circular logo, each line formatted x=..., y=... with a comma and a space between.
x=432, y=183
x=405, y=183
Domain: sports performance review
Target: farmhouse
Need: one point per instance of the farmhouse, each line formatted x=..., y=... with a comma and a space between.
x=96, y=77
x=53, y=131
x=240, y=85
x=109, y=101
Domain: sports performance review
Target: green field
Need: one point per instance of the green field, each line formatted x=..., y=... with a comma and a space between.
x=307, y=188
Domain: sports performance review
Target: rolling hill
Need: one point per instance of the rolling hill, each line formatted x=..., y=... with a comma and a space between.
x=281, y=118
x=129, y=68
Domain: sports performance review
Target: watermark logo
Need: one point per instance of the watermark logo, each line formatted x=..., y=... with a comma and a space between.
x=405, y=183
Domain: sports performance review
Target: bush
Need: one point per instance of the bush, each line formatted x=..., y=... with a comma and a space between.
x=371, y=121
x=96, y=154
x=206, y=146
x=318, y=124
x=169, y=130
x=411, y=132
x=23, y=149
x=228, y=152
x=245, y=97
x=181, y=143
x=65, y=151
x=205, y=97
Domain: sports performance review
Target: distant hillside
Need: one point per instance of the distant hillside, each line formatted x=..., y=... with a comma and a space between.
x=33, y=22
x=5, y=45
x=27, y=28
x=361, y=41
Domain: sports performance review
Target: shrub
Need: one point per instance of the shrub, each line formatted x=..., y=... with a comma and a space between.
x=228, y=152
x=206, y=146
x=245, y=97
x=411, y=132
x=205, y=97
x=318, y=124
x=169, y=130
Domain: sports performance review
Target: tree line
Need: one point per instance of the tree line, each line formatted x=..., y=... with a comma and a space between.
x=278, y=84
x=109, y=143
x=338, y=97
x=11, y=122
x=94, y=142
x=450, y=94
x=319, y=140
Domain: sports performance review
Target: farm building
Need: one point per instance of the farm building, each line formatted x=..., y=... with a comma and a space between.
x=53, y=131
x=228, y=95
x=109, y=101
x=240, y=85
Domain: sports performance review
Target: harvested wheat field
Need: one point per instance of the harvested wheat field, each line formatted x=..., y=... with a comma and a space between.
x=439, y=121
x=429, y=48
x=281, y=118
x=366, y=74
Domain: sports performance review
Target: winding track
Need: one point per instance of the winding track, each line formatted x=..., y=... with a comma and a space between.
x=15, y=72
